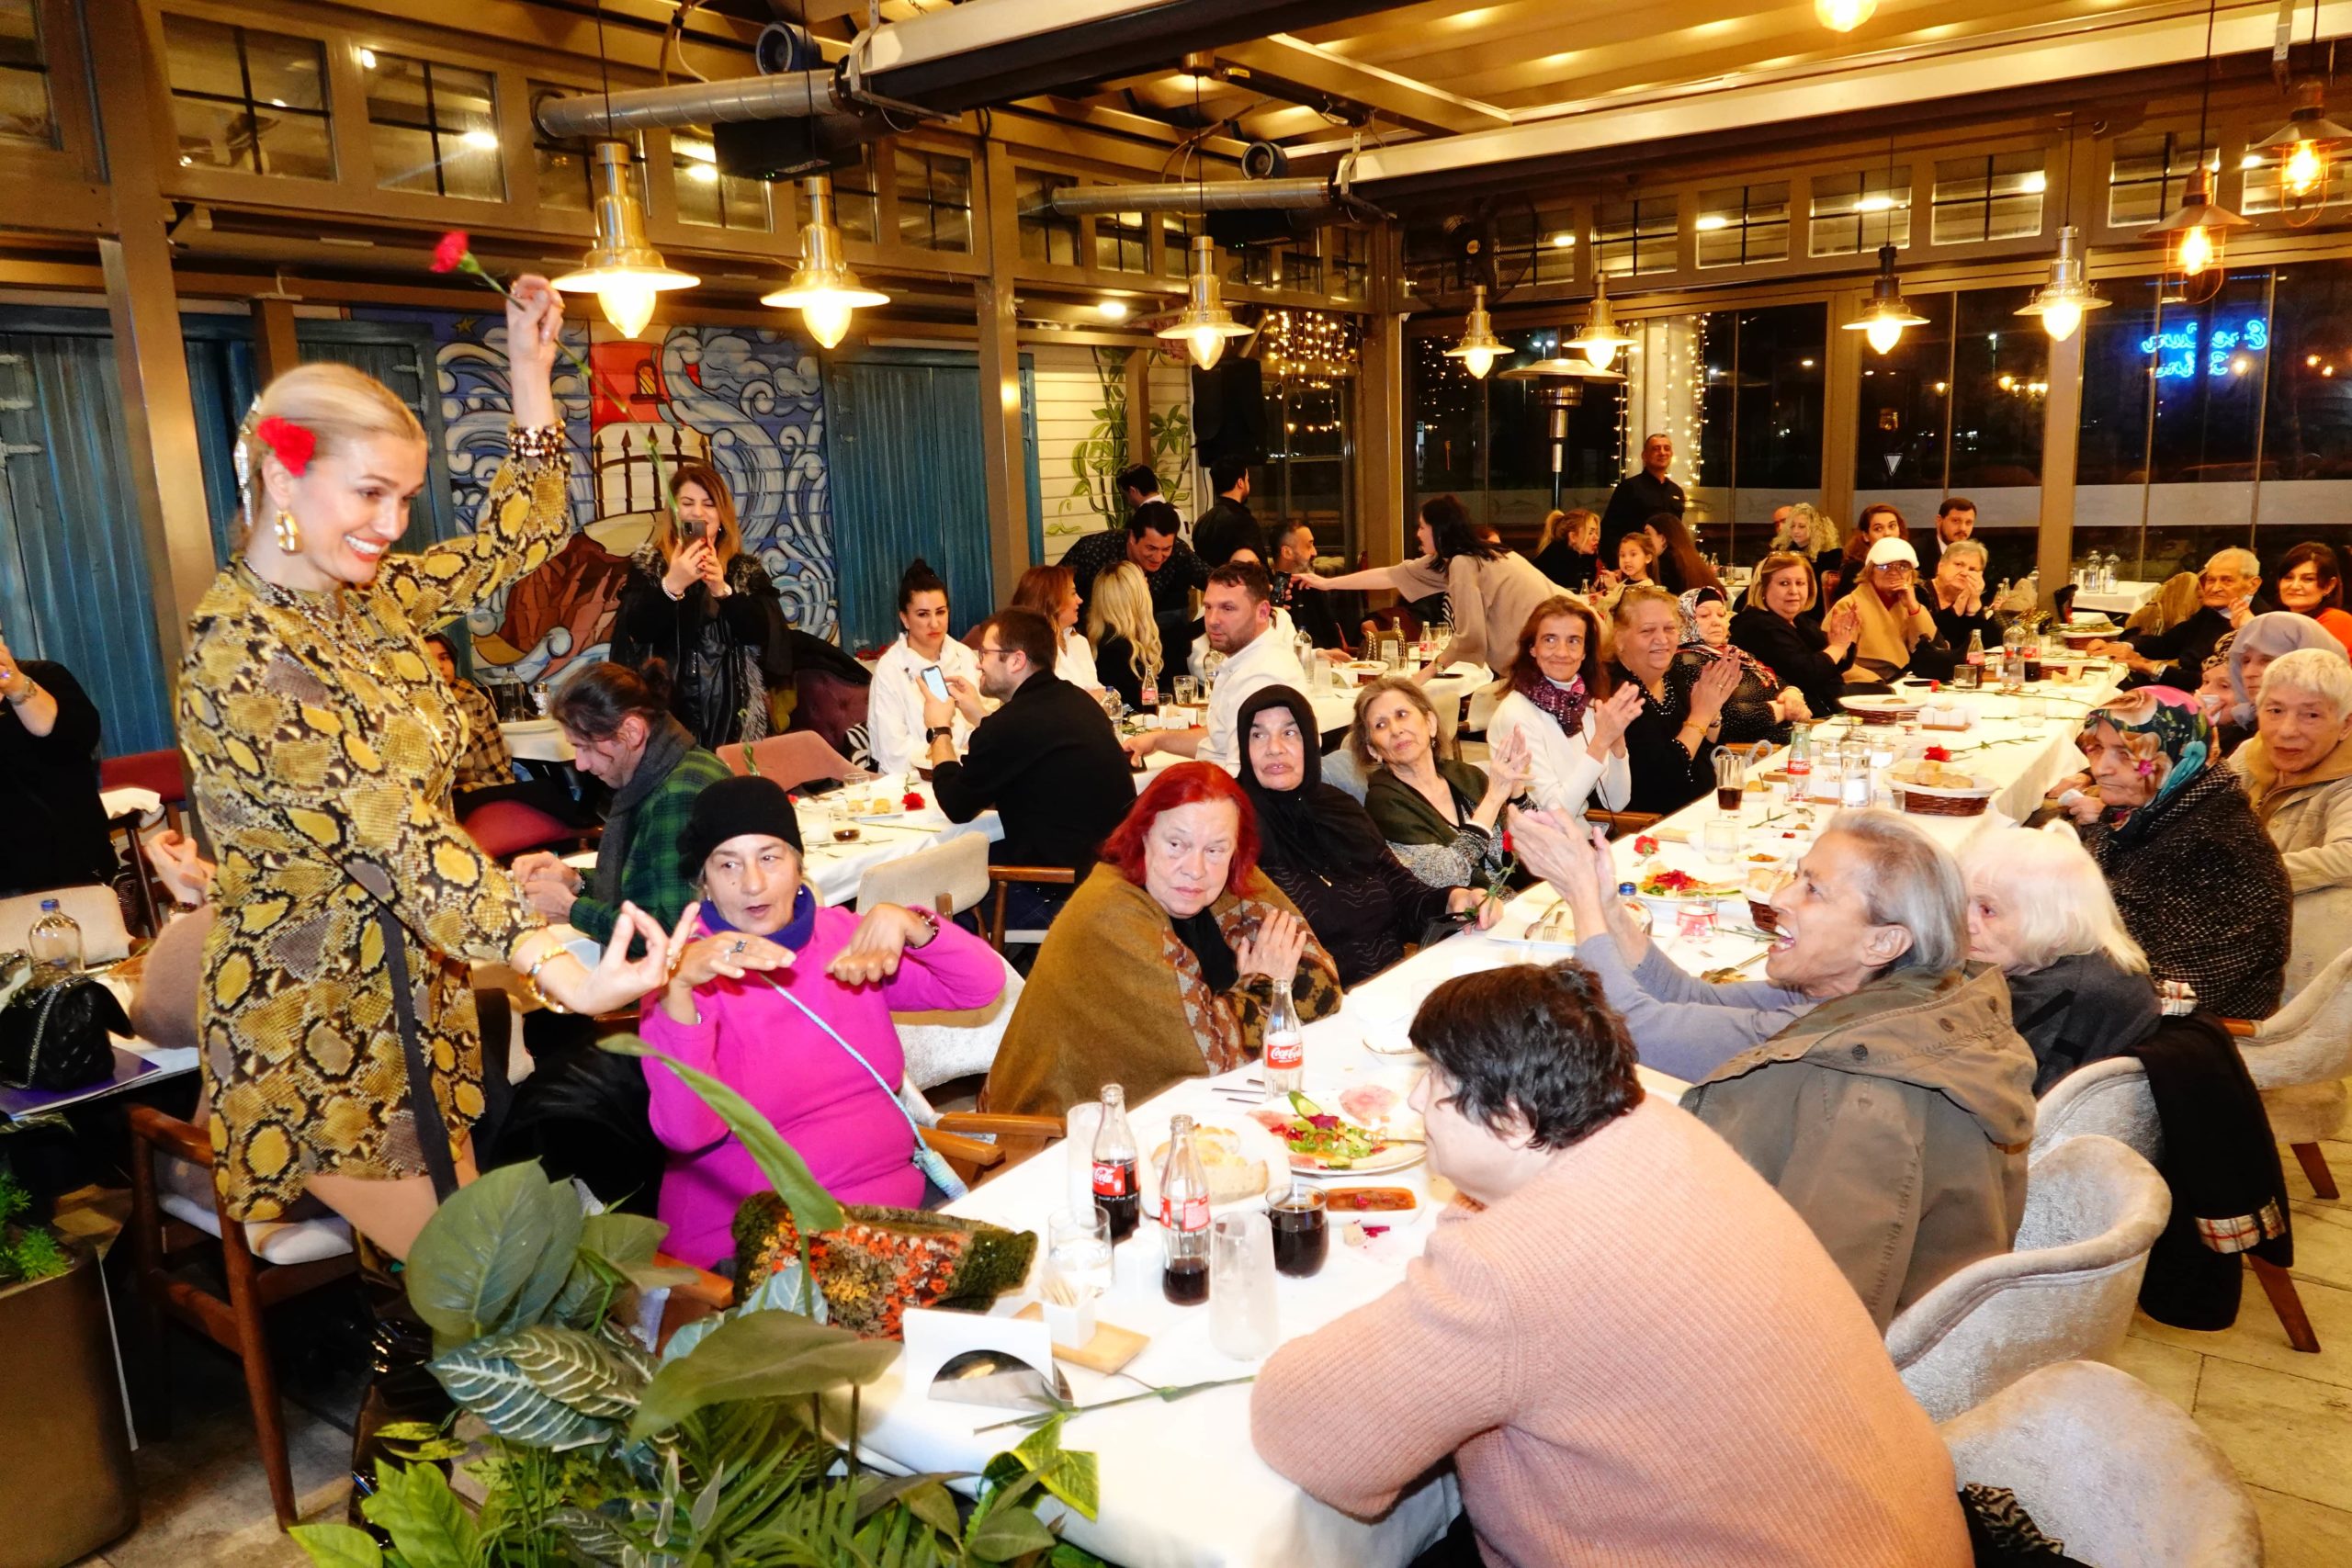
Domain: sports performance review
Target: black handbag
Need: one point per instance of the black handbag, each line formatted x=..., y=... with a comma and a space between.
x=55, y=1026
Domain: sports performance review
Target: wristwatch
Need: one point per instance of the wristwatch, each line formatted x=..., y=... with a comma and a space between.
x=938, y=731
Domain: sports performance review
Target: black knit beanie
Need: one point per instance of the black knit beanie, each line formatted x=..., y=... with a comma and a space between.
x=730, y=808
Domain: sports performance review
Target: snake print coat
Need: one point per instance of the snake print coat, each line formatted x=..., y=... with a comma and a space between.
x=322, y=742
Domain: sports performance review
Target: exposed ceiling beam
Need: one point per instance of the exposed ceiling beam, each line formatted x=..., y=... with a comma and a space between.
x=1722, y=109
x=1289, y=67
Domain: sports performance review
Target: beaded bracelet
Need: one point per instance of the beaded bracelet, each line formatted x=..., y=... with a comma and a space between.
x=531, y=983
x=535, y=443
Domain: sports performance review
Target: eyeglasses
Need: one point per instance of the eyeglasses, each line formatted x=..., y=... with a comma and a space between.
x=1894, y=566
x=996, y=652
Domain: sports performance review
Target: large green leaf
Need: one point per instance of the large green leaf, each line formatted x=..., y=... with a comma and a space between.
x=339, y=1545
x=560, y=1207
x=813, y=1208
x=430, y=1529
x=1074, y=1476
x=614, y=1250
x=1007, y=1534
x=483, y=1247
x=546, y=1386
x=767, y=1355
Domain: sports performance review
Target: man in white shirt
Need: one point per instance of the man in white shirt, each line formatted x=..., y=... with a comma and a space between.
x=1238, y=613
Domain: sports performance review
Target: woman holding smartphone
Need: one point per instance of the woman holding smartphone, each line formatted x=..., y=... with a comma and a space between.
x=924, y=656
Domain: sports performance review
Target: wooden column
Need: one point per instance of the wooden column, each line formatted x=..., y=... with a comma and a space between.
x=158, y=412
x=1003, y=446
x=1380, y=411
x=275, y=349
x=1139, y=406
x=1840, y=408
x=2062, y=415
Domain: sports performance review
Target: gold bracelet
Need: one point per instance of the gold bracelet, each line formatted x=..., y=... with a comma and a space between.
x=531, y=983
x=535, y=443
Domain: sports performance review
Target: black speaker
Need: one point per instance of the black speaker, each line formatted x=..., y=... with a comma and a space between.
x=1229, y=412
x=782, y=149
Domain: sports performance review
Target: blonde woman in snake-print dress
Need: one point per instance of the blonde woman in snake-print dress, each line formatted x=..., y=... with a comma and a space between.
x=322, y=742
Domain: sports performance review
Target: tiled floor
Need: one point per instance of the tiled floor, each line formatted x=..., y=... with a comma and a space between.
x=2284, y=1418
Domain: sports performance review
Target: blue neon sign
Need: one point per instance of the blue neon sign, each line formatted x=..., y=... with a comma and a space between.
x=2176, y=349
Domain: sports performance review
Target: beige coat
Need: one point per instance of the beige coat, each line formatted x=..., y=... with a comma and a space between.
x=2312, y=825
x=1895, y=1121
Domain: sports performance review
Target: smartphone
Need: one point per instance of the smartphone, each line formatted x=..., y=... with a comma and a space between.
x=933, y=681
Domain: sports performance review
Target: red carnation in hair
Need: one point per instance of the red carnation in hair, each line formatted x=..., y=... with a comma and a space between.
x=292, y=444
x=450, y=253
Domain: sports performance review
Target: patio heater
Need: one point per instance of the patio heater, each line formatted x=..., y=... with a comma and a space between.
x=1560, y=385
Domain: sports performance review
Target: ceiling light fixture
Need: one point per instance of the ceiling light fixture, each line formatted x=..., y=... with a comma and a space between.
x=2062, y=303
x=1112, y=309
x=2197, y=232
x=1884, y=319
x=1599, y=341
x=620, y=269
x=1204, y=323
x=1479, y=346
x=823, y=287
x=2305, y=149
x=1844, y=15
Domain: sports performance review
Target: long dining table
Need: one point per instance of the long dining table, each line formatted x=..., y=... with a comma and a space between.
x=1182, y=1486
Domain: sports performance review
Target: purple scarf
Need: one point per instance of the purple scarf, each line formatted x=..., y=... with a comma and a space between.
x=1564, y=704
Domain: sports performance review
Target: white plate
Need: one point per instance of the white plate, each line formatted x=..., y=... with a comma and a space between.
x=529, y=727
x=1256, y=1143
x=1397, y=1156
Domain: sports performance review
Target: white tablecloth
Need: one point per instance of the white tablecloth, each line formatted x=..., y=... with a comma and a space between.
x=1182, y=1486
x=836, y=869
x=2118, y=600
x=535, y=741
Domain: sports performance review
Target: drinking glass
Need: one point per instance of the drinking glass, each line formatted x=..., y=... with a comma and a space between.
x=1242, y=1323
x=1731, y=778
x=1077, y=1246
x=1187, y=691
x=1854, y=773
x=1302, y=1232
x=1719, y=840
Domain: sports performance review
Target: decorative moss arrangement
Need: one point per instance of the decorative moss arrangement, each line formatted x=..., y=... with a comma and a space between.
x=28, y=1251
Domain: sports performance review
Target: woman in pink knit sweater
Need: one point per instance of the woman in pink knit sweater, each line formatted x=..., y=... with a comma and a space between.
x=1632, y=1349
x=762, y=964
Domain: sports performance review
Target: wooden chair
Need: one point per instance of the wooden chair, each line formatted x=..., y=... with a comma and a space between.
x=234, y=1322
x=1001, y=877
x=161, y=771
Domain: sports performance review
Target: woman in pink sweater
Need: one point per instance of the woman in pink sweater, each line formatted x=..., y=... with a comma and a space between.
x=1633, y=1348
x=762, y=965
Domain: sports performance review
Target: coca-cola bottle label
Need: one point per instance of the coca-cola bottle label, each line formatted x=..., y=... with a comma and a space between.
x=1284, y=1053
x=1110, y=1180
x=1196, y=1215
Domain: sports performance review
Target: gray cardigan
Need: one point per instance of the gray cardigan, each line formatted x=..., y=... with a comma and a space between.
x=1681, y=1025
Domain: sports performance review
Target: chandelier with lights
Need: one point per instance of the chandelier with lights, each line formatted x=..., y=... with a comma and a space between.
x=2304, y=148
x=1884, y=319
x=2060, y=304
x=621, y=269
x=823, y=287
x=1479, y=347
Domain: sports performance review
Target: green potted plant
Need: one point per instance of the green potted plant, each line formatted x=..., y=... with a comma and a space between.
x=66, y=1486
x=594, y=1449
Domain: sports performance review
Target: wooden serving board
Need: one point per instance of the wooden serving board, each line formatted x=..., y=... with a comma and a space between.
x=1111, y=1349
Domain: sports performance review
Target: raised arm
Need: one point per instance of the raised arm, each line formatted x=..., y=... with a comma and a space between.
x=527, y=512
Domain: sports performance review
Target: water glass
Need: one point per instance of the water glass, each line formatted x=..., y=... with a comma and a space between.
x=1719, y=840
x=1242, y=1322
x=1187, y=691
x=1854, y=773
x=1078, y=1248
x=1731, y=777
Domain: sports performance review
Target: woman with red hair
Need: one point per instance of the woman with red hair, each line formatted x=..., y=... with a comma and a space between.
x=1164, y=961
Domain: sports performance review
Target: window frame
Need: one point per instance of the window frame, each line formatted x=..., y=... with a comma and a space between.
x=331, y=94
x=434, y=131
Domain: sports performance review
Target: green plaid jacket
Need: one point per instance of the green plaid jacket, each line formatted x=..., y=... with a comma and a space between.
x=651, y=877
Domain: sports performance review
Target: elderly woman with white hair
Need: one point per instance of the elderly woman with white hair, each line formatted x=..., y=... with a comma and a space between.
x=2298, y=774
x=2252, y=648
x=2040, y=911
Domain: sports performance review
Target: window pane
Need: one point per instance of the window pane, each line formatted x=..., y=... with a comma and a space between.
x=1555, y=245
x=2307, y=421
x=2149, y=176
x=709, y=197
x=1176, y=231
x=1446, y=414
x=434, y=128
x=212, y=135
x=288, y=73
x=1637, y=236
x=564, y=180
x=1739, y=224
x=1994, y=197
x=246, y=99
x=25, y=114
x=202, y=58
x=1857, y=212
x=2000, y=384
x=934, y=201
x=297, y=148
x=1905, y=393
x=1347, y=250
x=1045, y=235
x=403, y=159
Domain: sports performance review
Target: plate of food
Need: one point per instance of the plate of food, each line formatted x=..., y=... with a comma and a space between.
x=1241, y=1157
x=1668, y=893
x=1360, y=1131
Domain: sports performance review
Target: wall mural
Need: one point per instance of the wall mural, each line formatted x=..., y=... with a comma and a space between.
x=750, y=401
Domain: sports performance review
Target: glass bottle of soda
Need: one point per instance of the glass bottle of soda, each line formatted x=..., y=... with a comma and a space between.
x=1184, y=1218
x=1799, y=766
x=1970, y=675
x=1285, y=1061
x=1116, y=1191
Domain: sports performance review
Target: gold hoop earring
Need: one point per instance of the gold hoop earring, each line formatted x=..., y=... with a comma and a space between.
x=289, y=532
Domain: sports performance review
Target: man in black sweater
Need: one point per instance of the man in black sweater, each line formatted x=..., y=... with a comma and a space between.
x=1047, y=759
x=1310, y=612
x=2229, y=594
x=1229, y=526
x=1640, y=496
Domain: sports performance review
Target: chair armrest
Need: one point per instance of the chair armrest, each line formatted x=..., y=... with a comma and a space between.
x=2244, y=1028
x=970, y=1151
x=180, y=1139
x=1619, y=822
x=704, y=1287
x=1059, y=874
x=1003, y=1124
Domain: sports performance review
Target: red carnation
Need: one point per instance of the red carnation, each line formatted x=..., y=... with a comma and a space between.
x=450, y=253
x=1645, y=845
x=292, y=443
x=1938, y=754
x=911, y=800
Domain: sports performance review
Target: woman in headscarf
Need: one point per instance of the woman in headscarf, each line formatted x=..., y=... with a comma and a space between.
x=1761, y=708
x=1322, y=849
x=2298, y=775
x=2200, y=884
x=1164, y=961
x=2252, y=648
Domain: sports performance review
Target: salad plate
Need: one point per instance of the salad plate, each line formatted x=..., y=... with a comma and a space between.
x=1358, y=1131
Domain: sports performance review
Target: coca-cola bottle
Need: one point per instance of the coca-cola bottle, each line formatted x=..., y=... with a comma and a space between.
x=1116, y=1191
x=1184, y=1218
x=1970, y=675
x=1799, y=766
x=1285, y=1061
x=1147, y=699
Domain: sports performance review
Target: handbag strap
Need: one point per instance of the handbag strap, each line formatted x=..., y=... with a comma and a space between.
x=432, y=1132
x=856, y=1056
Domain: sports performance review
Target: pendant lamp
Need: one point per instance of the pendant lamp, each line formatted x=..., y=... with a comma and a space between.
x=1844, y=15
x=1479, y=346
x=620, y=269
x=1205, y=324
x=2062, y=303
x=1884, y=319
x=2304, y=148
x=1599, y=341
x=823, y=287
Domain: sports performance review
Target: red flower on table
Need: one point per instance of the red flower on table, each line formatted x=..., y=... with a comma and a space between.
x=1645, y=845
x=293, y=443
x=451, y=253
x=911, y=800
x=1938, y=754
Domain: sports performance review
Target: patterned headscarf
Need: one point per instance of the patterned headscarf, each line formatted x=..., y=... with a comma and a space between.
x=2166, y=732
x=1694, y=643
